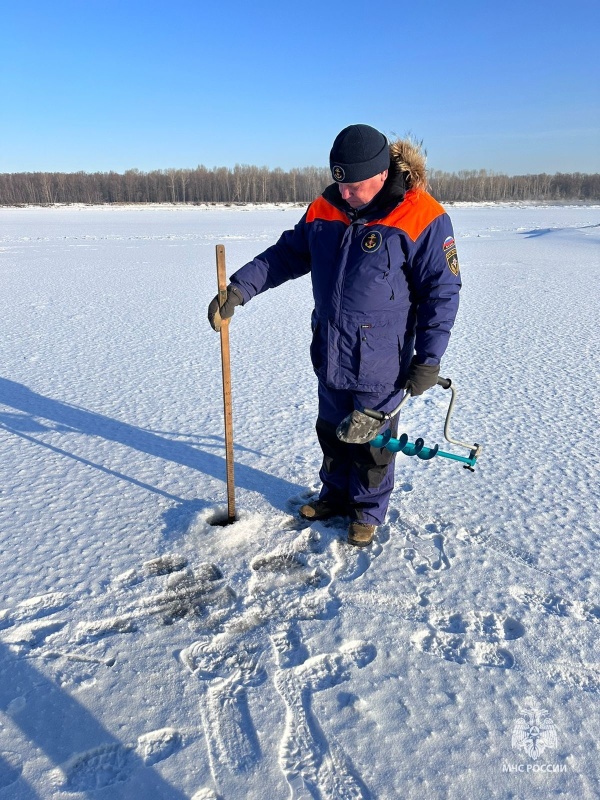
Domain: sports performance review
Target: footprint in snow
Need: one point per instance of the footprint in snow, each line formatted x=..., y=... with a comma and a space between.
x=34, y=608
x=27, y=626
x=165, y=565
x=31, y=635
x=493, y=627
x=461, y=650
x=98, y=629
x=583, y=677
x=314, y=764
x=35, y=627
x=287, y=583
x=474, y=638
x=352, y=562
x=291, y=581
x=227, y=667
x=556, y=605
x=110, y=764
x=197, y=591
x=426, y=552
x=162, y=565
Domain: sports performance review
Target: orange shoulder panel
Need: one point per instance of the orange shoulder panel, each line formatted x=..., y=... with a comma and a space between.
x=414, y=214
x=322, y=209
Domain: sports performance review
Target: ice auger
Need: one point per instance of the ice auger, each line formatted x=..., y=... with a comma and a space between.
x=363, y=426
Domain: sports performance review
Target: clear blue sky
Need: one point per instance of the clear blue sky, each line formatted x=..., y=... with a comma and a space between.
x=117, y=84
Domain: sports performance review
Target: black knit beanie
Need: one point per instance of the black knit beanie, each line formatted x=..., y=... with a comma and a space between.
x=359, y=152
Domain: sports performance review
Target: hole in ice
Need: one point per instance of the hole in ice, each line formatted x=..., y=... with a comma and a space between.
x=220, y=519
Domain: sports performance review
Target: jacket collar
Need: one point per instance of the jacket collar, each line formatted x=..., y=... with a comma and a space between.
x=391, y=195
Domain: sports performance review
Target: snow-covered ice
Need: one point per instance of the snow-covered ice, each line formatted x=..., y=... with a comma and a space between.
x=146, y=652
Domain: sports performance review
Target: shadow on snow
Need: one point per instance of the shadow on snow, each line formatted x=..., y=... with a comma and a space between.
x=54, y=722
x=70, y=418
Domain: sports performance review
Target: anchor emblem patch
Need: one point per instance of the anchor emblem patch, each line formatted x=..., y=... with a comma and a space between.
x=371, y=242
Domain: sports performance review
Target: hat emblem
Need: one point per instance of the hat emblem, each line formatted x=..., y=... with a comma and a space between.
x=338, y=173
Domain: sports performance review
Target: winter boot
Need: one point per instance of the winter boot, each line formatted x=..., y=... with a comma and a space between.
x=319, y=509
x=360, y=534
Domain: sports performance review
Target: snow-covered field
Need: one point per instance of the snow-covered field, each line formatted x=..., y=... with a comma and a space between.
x=147, y=653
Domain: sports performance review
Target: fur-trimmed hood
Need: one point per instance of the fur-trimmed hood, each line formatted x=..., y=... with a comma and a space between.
x=407, y=159
x=407, y=171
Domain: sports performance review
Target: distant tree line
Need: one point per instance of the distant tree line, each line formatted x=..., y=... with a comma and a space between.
x=248, y=184
x=242, y=184
x=481, y=185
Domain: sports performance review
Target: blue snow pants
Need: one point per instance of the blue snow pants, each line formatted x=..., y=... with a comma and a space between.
x=357, y=478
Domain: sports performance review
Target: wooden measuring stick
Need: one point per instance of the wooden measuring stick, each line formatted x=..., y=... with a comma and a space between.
x=226, y=370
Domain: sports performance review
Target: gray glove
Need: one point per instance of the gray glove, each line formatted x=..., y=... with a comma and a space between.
x=421, y=377
x=216, y=315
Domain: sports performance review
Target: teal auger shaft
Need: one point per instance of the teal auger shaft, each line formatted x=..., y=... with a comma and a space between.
x=417, y=448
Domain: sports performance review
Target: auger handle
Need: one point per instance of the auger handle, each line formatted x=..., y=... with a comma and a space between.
x=378, y=415
x=445, y=383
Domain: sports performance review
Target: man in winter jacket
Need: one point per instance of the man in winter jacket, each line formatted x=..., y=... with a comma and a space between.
x=385, y=278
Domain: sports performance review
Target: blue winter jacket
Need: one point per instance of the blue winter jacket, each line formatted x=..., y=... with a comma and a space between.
x=385, y=284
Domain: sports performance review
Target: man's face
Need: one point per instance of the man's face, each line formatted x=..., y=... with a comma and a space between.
x=361, y=193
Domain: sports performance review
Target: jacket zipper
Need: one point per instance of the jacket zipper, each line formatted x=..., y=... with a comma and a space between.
x=347, y=244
